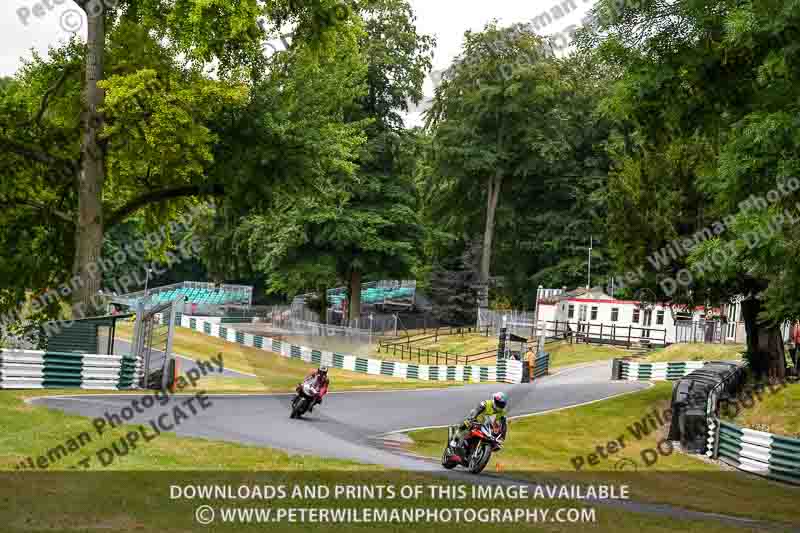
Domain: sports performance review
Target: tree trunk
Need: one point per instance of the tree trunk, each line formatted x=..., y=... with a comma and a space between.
x=354, y=294
x=323, y=314
x=764, y=343
x=492, y=198
x=89, y=234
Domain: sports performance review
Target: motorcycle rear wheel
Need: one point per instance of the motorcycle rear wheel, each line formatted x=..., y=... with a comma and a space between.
x=446, y=462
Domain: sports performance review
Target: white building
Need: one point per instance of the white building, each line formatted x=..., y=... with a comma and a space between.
x=594, y=314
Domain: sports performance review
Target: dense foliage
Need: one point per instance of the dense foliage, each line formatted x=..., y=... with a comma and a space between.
x=668, y=139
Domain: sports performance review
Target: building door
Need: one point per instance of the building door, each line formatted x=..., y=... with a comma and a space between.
x=648, y=320
x=582, y=318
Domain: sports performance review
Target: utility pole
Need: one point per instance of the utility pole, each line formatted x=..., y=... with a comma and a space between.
x=589, y=275
x=147, y=280
x=536, y=312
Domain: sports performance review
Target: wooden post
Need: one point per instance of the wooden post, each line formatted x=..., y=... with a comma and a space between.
x=601, y=333
x=629, y=336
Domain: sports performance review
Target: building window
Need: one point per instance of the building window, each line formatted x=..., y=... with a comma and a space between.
x=582, y=312
x=660, y=317
x=571, y=313
x=594, y=312
x=614, y=314
x=635, y=315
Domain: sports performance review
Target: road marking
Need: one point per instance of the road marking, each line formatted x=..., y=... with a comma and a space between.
x=538, y=413
x=144, y=392
x=222, y=375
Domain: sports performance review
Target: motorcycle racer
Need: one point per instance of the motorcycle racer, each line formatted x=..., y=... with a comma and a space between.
x=494, y=407
x=319, y=379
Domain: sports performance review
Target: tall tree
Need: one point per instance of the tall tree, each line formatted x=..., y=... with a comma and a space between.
x=184, y=37
x=398, y=58
x=452, y=285
x=550, y=220
x=363, y=219
x=495, y=120
x=99, y=130
x=704, y=114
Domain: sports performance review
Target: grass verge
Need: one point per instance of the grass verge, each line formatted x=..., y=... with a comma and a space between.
x=275, y=373
x=550, y=446
x=563, y=353
x=138, y=493
x=776, y=412
x=454, y=345
x=697, y=352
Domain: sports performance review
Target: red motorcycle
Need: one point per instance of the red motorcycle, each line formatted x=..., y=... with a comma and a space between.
x=476, y=448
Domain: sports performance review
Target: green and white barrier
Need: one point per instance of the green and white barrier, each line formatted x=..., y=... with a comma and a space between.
x=541, y=365
x=509, y=371
x=29, y=369
x=757, y=452
x=668, y=371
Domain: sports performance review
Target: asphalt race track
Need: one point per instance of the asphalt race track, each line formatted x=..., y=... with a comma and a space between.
x=354, y=425
x=346, y=425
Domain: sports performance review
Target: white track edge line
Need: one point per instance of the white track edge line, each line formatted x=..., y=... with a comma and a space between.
x=650, y=384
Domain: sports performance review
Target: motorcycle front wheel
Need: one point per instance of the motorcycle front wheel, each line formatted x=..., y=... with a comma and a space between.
x=480, y=458
x=298, y=407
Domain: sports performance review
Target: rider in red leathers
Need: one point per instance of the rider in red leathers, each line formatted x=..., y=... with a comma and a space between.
x=320, y=380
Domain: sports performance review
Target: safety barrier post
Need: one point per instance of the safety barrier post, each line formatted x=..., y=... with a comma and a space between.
x=713, y=438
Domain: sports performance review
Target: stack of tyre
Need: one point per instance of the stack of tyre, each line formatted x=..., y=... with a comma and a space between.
x=698, y=396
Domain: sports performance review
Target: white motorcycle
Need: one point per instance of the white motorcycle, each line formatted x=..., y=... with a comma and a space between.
x=306, y=396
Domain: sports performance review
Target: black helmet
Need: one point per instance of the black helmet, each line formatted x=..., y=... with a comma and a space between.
x=323, y=370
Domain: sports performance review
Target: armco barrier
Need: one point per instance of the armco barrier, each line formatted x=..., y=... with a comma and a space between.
x=28, y=369
x=508, y=371
x=668, y=371
x=757, y=452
